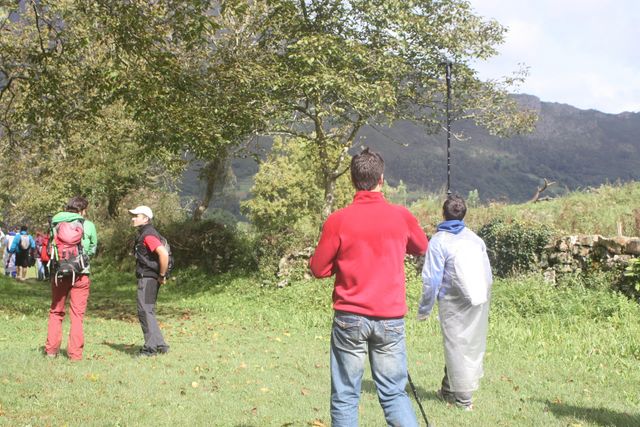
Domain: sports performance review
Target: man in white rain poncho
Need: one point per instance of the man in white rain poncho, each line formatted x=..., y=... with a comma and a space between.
x=457, y=273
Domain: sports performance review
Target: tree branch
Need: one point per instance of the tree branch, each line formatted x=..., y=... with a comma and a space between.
x=37, y=20
x=305, y=14
x=539, y=190
x=290, y=133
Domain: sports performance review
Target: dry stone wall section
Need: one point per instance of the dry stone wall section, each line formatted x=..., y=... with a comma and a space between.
x=584, y=253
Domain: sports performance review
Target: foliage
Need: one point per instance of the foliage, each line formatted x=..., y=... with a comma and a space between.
x=588, y=211
x=164, y=78
x=130, y=84
x=336, y=66
x=212, y=246
x=473, y=199
x=397, y=195
x=287, y=198
x=631, y=286
x=514, y=247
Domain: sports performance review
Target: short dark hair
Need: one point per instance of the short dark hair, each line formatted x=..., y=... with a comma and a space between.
x=454, y=208
x=77, y=204
x=366, y=170
x=24, y=228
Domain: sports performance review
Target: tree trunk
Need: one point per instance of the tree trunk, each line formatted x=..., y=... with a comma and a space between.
x=329, y=196
x=112, y=205
x=213, y=173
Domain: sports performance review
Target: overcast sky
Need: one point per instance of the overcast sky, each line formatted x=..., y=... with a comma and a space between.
x=584, y=53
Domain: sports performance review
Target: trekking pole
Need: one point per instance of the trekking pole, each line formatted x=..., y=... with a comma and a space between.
x=415, y=394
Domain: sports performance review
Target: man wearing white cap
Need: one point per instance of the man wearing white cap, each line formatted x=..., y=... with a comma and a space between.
x=152, y=264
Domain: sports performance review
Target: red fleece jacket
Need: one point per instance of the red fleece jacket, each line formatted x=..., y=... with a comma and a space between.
x=364, y=245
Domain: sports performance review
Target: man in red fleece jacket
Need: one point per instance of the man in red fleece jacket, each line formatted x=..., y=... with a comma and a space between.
x=364, y=245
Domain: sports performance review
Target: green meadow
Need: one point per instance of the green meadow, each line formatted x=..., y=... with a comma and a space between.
x=247, y=355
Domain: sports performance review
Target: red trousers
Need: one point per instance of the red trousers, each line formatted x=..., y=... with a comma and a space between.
x=78, y=295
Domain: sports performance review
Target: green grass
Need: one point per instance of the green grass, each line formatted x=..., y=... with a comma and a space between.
x=243, y=355
x=589, y=211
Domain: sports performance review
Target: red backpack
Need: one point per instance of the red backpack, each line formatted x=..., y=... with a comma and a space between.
x=67, y=257
x=44, y=249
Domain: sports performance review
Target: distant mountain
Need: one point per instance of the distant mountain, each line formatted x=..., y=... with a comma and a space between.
x=575, y=148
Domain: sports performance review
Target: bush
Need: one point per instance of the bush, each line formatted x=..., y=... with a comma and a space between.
x=514, y=247
x=210, y=245
x=286, y=203
x=630, y=282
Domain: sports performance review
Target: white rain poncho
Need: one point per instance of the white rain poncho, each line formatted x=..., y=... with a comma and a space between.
x=457, y=272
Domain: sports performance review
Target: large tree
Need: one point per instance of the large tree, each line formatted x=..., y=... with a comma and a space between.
x=193, y=78
x=176, y=75
x=338, y=65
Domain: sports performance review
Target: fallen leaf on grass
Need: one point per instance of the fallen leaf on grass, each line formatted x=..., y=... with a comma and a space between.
x=92, y=377
x=317, y=423
x=305, y=392
x=264, y=390
x=194, y=384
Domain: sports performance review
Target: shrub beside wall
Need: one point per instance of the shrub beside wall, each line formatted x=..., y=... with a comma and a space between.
x=514, y=247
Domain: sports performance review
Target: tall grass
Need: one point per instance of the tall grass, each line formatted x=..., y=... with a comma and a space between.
x=589, y=211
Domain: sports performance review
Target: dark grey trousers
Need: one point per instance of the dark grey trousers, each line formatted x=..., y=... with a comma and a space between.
x=147, y=295
x=462, y=398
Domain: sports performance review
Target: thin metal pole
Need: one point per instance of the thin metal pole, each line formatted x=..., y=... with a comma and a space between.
x=448, y=75
x=415, y=394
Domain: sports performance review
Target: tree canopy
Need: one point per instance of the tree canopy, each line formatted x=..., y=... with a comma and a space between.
x=141, y=86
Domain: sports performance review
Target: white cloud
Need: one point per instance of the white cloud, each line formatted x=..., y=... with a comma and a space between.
x=580, y=52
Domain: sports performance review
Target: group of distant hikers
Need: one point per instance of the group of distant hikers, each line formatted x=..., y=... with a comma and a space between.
x=21, y=251
x=364, y=246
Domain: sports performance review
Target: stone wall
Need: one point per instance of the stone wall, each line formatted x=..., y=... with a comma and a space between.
x=583, y=253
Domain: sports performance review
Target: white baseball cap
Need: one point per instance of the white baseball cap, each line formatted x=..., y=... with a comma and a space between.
x=144, y=210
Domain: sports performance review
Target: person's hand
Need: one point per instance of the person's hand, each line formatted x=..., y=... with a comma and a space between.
x=162, y=280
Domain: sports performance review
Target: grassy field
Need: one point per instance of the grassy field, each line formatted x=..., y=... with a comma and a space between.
x=589, y=211
x=243, y=355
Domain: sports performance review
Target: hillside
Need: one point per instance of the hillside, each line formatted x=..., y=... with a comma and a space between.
x=575, y=148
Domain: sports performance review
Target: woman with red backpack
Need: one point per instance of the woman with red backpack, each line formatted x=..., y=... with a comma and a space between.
x=70, y=279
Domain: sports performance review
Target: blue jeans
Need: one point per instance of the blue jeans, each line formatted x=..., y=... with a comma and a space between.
x=351, y=336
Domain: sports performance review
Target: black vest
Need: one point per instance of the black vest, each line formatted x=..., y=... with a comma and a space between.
x=147, y=264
